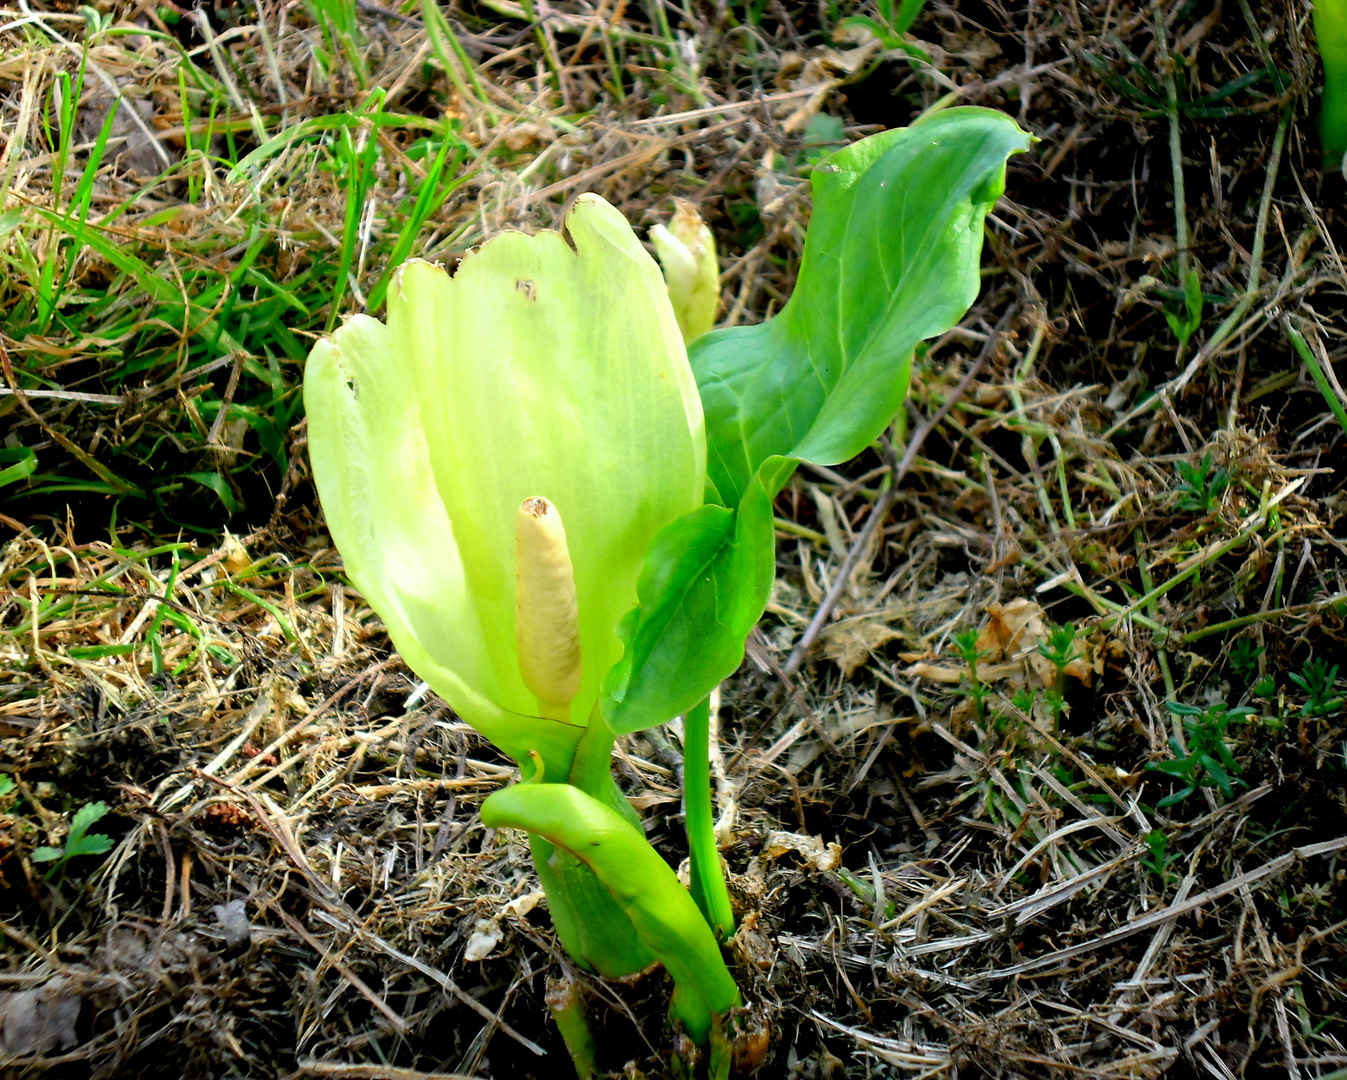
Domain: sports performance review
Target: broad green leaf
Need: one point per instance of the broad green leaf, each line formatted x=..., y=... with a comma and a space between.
x=645, y=888
x=891, y=258
x=591, y=925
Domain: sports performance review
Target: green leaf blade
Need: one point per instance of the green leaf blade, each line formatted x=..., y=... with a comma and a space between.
x=891, y=258
x=706, y=579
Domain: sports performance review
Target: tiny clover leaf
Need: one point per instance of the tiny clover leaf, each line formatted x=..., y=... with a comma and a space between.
x=78, y=841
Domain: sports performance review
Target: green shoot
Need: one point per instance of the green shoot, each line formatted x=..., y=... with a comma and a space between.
x=1243, y=656
x=1200, y=486
x=1326, y=388
x=1159, y=861
x=79, y=841
x=1208, y=761
x=1317, y=680
x=1185, y=323
x=1024, y=699
x=966, y=644
x=357, y=163
x=708, y=880
x=866, y=893
x=1060, y=649
x=1055, y=702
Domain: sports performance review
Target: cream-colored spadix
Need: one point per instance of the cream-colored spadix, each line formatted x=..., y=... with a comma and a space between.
x=547, y=620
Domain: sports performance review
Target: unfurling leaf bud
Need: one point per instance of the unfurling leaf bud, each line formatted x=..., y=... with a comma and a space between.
x=687, y=252
x=547, y=623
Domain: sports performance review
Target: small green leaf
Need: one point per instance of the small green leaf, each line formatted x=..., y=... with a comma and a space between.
x=46, y=854
x=91, y=844
x=884, y=34
x=908, y=11
x=86, y=815
x=706, y=578
x=98, y=652
x=216, y=483
x=25, y=464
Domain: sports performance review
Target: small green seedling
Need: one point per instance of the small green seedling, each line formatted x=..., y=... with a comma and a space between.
x=1200, y=486
x=1266, y=688
x=1208, y=762
x=1024, y=699
x=1055, y=702
x=1160, y=858
x=1317, y=679
x=866, y=892
x=1184, y=324
x=6, y=784
x=1060, y=650
x=977, y=691
x=1244, y=654
x=891, y=25
x=78, y=841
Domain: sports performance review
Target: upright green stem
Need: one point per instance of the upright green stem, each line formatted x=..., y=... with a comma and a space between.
x=708, y=877
x=1175, y=148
